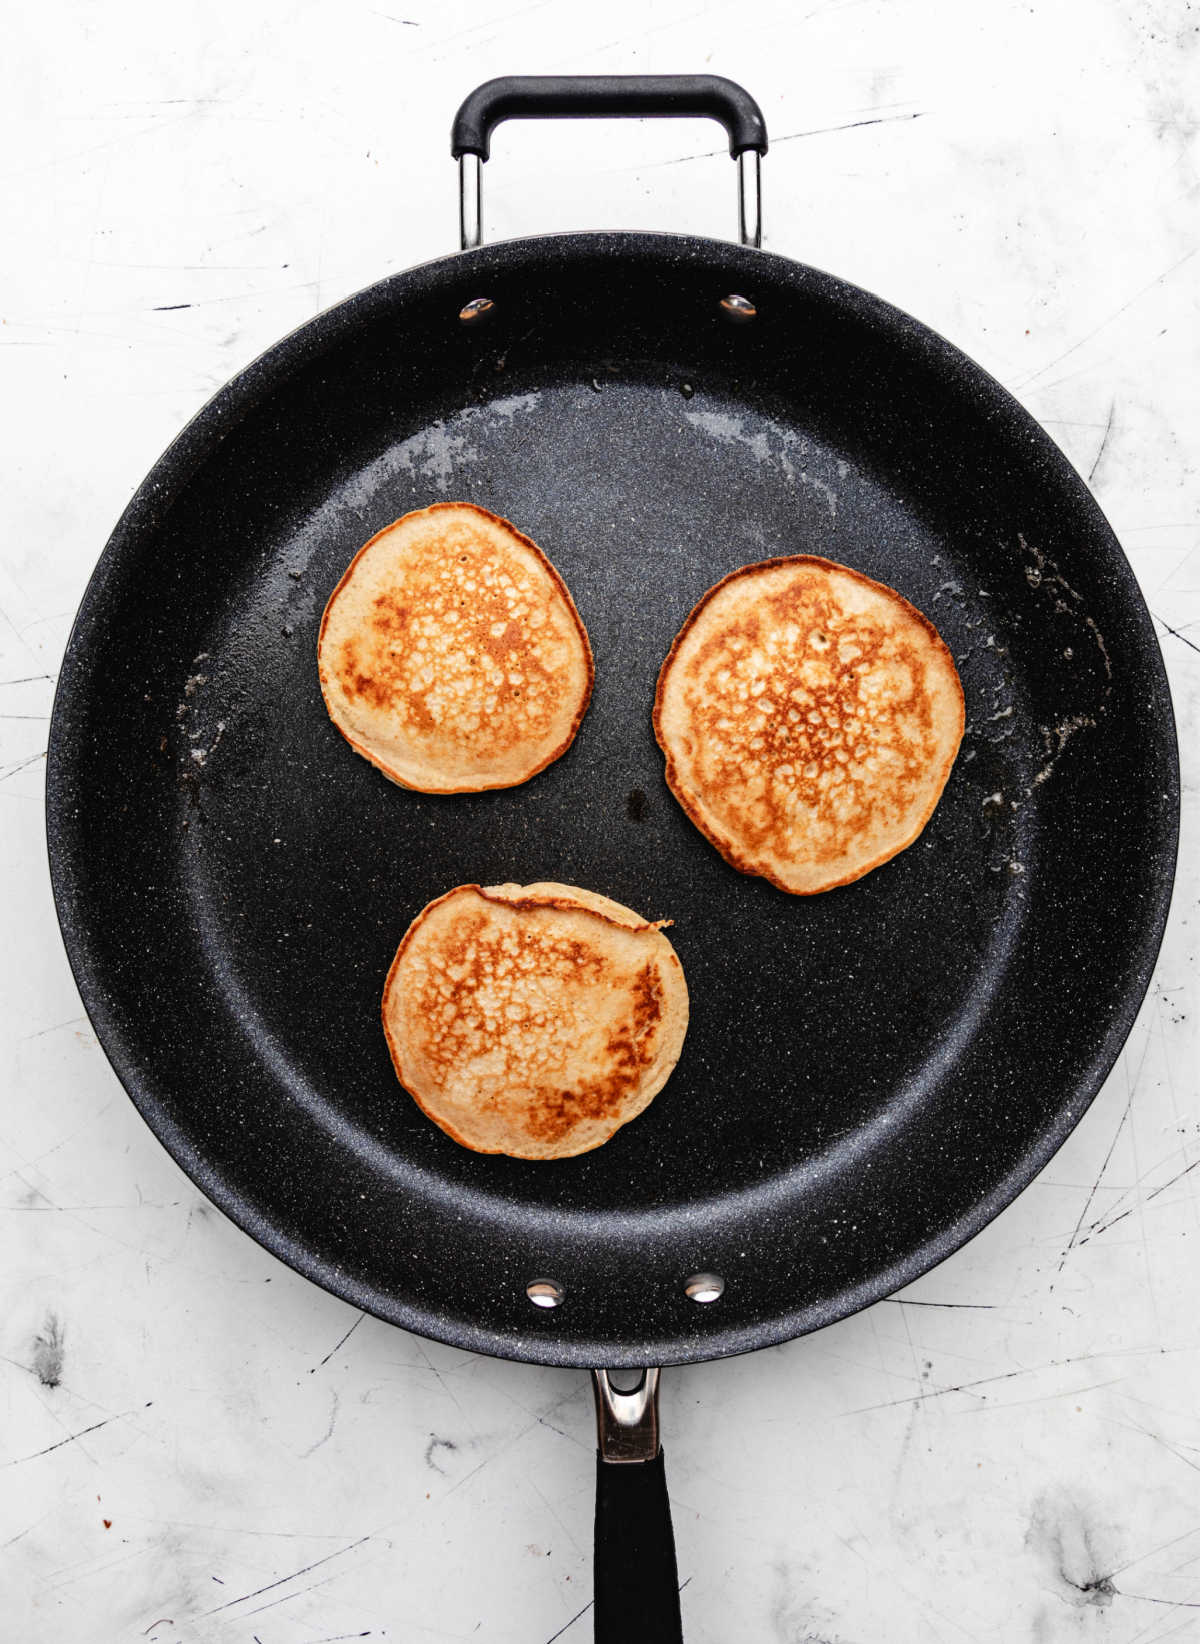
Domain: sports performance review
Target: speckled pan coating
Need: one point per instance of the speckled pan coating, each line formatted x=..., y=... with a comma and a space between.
x=870, y=1075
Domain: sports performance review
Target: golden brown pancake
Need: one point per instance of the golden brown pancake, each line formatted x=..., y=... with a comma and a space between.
x=810, y=718
x=533, y=1020
x=451, y=654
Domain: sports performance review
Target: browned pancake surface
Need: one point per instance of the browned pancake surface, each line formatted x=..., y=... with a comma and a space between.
x=533, y=1021
x=451, y=654
x=810, y=718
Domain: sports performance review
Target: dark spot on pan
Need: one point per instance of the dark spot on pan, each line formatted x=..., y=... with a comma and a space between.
x=189, y=781
x=635, y=805
x=48, y=1348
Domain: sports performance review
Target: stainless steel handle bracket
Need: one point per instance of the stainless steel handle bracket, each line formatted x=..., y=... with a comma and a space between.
x=749, y=164
x=627, y=1422
x=470, y=199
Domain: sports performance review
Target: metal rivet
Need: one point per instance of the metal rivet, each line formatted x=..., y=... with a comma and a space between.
x=737, y=309
x=545, y=1292
x=704, y=1287
x=476, y=311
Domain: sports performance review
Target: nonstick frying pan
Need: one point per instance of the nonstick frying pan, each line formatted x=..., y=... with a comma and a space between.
x=870, y=1075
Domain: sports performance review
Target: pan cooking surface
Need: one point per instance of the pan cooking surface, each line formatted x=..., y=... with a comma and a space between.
x=869, y=1074
x=300, y=851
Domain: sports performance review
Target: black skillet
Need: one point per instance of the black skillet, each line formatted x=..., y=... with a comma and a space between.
x=869, y=1075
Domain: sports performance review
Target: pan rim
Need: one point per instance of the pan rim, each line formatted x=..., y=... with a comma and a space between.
x=170, y=473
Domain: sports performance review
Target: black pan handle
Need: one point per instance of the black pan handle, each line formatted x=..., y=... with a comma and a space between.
x=592, y=96
x=636, y=1579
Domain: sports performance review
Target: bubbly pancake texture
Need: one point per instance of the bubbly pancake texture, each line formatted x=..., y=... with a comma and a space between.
x=533, y=1020
x=451, y=654
x=810, y=718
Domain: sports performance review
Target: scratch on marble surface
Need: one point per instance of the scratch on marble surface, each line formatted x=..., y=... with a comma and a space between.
x=287, y=1598
x=537, y=1418
x=1157, y=1438
x=340, y=1343
x=28, y=1530
x=905, y=1301
x=243, y=1530
x=328, y=1433
x=795, y=136
x=917, y=1377
x=1159, y=1547
x=72, y=1438
x=1061, y=1393
x=1102, y=1226
x=1174, y=1603
x=335, y=1638
x=514, y=1438
x=578, y=1614
x=1132, y=1084
x=439, y=1378
x=584, y=1553
x=1074, y=1239
x=1175, y=633
x=1104, y=439
x=1107, y=1218
x=490, y=23
x=1165, y=274
x=86, y=1569
x=55, y=1027
x=985, y=1381
x=11, y=770
x=283, y=1580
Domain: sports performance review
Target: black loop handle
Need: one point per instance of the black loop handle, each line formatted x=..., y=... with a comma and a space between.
x=591, y=96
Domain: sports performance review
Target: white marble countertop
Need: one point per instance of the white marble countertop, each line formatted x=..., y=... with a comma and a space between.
x=200, y=1447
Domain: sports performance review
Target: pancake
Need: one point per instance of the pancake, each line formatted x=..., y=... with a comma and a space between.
x=451, y=654
x=533, y=1020
x=809, y=718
